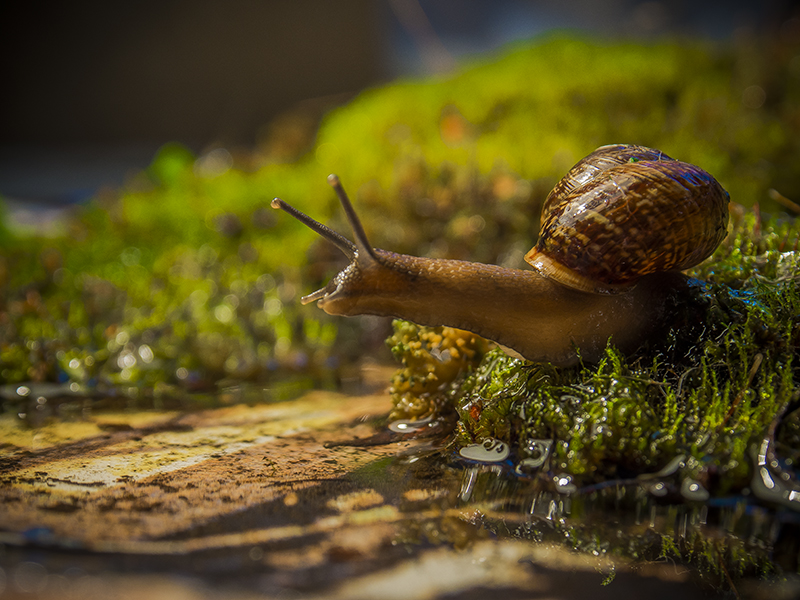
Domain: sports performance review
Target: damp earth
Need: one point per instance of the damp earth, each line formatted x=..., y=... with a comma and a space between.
x=323, y=496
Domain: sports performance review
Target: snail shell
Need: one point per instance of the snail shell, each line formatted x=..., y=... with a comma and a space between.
x=624, y=212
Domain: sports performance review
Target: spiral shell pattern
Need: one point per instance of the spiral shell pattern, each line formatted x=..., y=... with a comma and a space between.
x=624, y=212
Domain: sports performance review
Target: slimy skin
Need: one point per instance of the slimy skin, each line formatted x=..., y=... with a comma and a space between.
x=535, y=316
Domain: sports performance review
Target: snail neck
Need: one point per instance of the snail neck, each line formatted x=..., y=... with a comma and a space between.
x=535, y=316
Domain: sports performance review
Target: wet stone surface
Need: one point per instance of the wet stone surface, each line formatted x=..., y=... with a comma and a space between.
x=318, y=497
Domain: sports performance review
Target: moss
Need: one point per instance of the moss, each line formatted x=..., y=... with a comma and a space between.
x=193, y=264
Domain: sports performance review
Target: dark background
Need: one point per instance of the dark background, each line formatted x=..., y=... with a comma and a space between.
x=91, y=89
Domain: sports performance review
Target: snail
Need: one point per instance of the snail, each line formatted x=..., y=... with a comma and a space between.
x=615, y=233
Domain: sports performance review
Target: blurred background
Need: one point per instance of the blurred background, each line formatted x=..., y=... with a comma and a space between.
x=92, y=89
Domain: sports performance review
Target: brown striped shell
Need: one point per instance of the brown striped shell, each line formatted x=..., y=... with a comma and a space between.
x=624, y=212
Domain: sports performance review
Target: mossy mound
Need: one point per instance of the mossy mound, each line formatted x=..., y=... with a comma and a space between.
x=186, y=280
x=705, y=394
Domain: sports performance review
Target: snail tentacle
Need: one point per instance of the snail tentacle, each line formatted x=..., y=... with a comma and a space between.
x=362, y=243
x=337, y=239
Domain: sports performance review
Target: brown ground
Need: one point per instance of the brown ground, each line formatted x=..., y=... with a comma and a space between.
x=260, y=501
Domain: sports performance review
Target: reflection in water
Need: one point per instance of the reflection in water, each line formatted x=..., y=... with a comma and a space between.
x=773, y=482
x=304, y=497
x=643, y=520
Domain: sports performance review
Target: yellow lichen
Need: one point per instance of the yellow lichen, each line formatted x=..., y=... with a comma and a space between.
x=432, y=358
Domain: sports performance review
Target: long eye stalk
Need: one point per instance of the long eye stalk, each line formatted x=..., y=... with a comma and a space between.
x=341, y=242
x=362, y=243
x=361, y=248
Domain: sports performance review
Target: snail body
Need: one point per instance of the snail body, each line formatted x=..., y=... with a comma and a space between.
x=608, y=255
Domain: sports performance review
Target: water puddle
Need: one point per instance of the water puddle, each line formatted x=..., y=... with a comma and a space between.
x=321, y=497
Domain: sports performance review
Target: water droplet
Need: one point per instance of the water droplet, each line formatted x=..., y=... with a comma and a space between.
x=409, y=425
x=564, y=484
x=146, y=353
x=526, y=465
x=126, y=360
x=539, y=451
x=223, y=313
x=691, y=489
x=769, y=485
x=273, y=307
x=658, y=489
x=490, y=450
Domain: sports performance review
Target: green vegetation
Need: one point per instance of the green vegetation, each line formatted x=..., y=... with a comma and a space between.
x=614, y=459
x=187, y=280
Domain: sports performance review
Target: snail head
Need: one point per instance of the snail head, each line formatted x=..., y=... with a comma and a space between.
x=349, y=291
